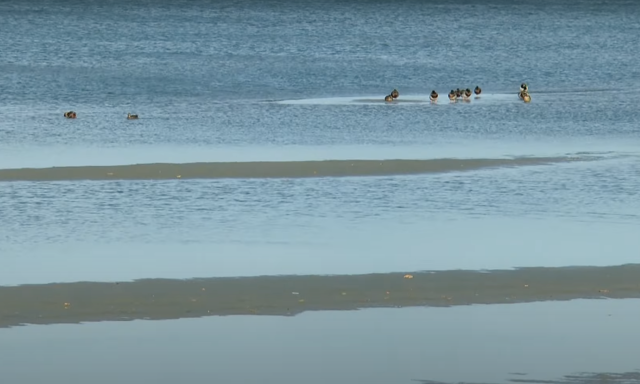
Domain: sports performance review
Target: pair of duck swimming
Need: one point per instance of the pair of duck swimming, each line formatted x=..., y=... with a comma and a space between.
x=72, y=115
x=392, y=96
x=524, y=93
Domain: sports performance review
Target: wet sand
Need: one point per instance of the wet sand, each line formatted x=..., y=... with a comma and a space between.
x=291, y=295
x=579, y=378
x=271, y=169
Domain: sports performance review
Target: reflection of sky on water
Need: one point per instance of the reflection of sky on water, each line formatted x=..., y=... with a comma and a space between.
x=472, y=244
x=479, y=344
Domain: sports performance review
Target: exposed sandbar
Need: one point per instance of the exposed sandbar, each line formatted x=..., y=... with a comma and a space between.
x=632, y=377
x=270, y=169
x=290, y=295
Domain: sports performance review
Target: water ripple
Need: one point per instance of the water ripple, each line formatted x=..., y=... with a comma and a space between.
x=290, y=209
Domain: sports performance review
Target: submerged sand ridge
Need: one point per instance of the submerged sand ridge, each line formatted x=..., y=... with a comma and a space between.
x=290, y=295
x=271, y=169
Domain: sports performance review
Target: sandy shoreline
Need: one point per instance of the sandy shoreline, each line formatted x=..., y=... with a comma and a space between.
x=270, y=169
x=575, y=378
x=290, y=295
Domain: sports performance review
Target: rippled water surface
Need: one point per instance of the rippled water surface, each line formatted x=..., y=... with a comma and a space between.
x=563, y=214
x=210, y=78
x=248, y=80
x=251, y=80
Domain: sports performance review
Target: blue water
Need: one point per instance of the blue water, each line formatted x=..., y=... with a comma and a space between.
x=276, y=80
x=265, y=80
x=574, y=214
x=501, y=343
x=202, y=75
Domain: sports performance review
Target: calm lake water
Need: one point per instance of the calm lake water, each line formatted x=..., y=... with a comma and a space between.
x=469, y=344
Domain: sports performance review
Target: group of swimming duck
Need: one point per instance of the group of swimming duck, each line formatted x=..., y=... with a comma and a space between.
x=465, y=95
x=453, y=96
x=72, y=115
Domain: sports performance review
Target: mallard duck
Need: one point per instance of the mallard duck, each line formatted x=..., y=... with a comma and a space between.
x=524, y=95
x=395, y=94
x=388, y=98
x=467, y=94
x=477, y=91
x=433, y=96
x=452, y=95
x=70, y=115
x=524, y=87
x=458, y=93
x=131, y=117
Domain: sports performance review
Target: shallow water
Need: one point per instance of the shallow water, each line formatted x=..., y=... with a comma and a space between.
x=244, y=131
x=472, y=344
x=552, y=215
x=273, y=80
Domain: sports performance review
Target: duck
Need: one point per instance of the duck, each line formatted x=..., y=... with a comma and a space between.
x=395, y=93
x=433, y=96
x=458, y=93
x=524, y=96
x=388, y=98
x=467, y=94
x=452, y=95
x=477, y=91
x=131, y=117
x=70, y=115
x=524, y=87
